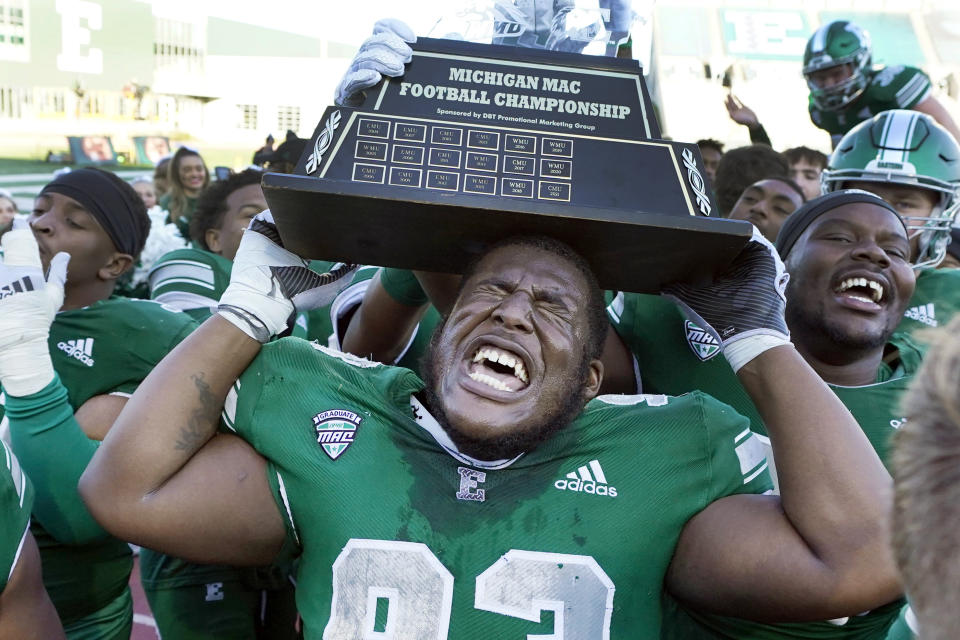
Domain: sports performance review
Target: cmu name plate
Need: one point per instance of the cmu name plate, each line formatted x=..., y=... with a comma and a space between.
x=479, y=142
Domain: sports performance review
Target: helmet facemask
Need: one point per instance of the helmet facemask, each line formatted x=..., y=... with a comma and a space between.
x=836, y=44
x=841, y=94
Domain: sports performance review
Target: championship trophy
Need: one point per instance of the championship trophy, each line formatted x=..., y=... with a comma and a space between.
x=479, y=142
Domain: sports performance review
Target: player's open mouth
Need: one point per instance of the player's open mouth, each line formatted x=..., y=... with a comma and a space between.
x=864, y=293
x=863, y=289
x=498, y=368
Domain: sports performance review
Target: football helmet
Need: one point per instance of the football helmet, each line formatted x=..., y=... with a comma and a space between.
x=837, y=43
x=905, y=148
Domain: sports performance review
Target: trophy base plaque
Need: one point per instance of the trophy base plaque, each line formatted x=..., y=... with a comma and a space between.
x=369, y=225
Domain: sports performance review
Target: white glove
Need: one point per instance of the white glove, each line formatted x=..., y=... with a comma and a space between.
x=28, y=304
x=744, y=305
x=383, y=54
x=268, y=284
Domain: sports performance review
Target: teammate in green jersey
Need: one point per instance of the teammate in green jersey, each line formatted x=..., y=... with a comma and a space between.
x=850, y=281
x=846, y=89
x=194, y=278
x=64, y=382
x=471, y=504
x=926, y=485
x=25, y=608
x=914, y=164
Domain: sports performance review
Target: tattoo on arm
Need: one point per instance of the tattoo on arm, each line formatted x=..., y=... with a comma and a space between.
x=196, y=433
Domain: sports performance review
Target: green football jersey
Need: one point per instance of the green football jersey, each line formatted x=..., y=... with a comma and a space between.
x=16, y=500
x=935, y=300
x=190, y=279
x=400, y=533
x=676, y=356
x=107, y=347
x=113, y=344
x=193, y=280
x=327, y=324
x=905, y=627
x=890, y=87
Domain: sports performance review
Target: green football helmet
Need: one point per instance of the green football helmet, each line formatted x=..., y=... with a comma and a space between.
x=837, y=43
x=905, y=148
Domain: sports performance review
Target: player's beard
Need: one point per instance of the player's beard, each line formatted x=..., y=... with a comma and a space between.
x=811, y=321
x=508, y=445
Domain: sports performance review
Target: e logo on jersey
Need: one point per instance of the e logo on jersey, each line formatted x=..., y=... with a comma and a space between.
x=336, y=429
x=703, y=344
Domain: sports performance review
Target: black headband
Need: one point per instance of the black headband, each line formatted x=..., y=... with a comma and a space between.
x=107, y=202
x=798, y=221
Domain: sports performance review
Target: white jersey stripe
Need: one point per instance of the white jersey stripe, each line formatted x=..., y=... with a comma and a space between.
x=184, y=300
x=286, y=505
x=190, y=265
x=154, y=285
x=16, y=556
x=911, y=619
x=910, y=86
x=902, y=102
x=16, y=472
x=229, y=412
x=755, y=473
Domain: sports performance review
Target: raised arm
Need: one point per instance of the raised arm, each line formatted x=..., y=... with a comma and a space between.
x=381, y=327
x=441, y=288
x=50, y=444
x=163, y=477
x=821, y=550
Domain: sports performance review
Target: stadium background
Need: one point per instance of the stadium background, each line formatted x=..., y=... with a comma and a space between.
x=222, y=75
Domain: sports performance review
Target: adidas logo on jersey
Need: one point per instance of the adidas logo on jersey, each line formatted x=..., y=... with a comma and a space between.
x=924, y=313
x=81, y=349
x=587, y=479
